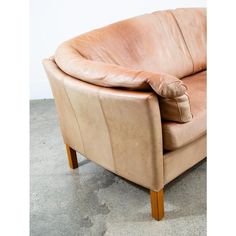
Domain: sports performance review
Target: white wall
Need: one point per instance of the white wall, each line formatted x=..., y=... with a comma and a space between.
x=53, y=21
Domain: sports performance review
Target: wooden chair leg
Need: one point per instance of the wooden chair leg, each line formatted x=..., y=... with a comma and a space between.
x=72, y=158
x=157, y=204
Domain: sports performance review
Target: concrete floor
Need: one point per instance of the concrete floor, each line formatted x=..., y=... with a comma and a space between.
x=93, y=201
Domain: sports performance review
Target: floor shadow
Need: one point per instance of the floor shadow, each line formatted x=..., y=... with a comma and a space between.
x=179, y=193
x=182, y=194
x=84, y=162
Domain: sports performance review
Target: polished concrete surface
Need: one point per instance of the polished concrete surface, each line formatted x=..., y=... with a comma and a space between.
x=93, y=201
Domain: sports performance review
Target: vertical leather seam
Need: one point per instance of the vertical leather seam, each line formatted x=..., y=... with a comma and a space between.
x=180, y=113
x=81, y=136
x=181, y=32
x=109, y=133
x=189, y=102
x=155, y=151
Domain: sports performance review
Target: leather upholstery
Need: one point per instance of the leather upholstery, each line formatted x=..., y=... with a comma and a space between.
x=192, y=23
x=176, y=135
x=178, y=161
x=68, y=122
x=139, y=53
x=118, y=129
x=121, y=129
x=151, y=42
x=111, y=75
x=176, y=109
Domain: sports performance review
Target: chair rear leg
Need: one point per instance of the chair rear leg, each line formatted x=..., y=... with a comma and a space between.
x=72, y=158
x=157, y=204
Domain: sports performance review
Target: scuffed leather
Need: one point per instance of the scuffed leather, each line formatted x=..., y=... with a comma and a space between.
x=176, y=109
x=176, y=135
x=151, y=42
x=117, y=129
x=111, y=75
x=148, y=51
x=67, y=119
x=120, y=129
x=174, y=102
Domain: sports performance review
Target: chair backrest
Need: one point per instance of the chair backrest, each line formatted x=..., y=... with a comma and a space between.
x=172, y=41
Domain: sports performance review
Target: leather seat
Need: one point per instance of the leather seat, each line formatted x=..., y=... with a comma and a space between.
x=176, y=135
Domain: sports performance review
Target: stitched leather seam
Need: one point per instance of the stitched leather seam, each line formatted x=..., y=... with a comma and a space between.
x=181, y=32
x=81, y=136
x=180, y=113
x=109, y=133
x=189, y=102
x=159, y=182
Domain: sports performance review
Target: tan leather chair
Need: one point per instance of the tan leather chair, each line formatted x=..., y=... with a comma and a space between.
x=112, y=91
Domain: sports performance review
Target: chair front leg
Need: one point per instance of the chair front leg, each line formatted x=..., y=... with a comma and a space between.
x=72, y=158
x=157, y=204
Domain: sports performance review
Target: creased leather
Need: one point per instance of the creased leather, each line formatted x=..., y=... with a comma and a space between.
x=151, y=42
x=111, y=75
x=176, y=135
x=192, y=23
x=148, y=51
x=176, y=109
x=112, y=127
x=121, y=129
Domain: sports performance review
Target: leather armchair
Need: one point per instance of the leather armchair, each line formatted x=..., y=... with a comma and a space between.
x=120, y=124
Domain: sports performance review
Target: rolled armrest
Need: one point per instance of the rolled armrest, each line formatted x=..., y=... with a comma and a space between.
x=110, y=75
x=118, y=129
x=174, y=101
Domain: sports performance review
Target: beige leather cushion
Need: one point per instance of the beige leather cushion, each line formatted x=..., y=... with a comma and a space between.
x=176, y=135
x=134, y=53
x=150, y=42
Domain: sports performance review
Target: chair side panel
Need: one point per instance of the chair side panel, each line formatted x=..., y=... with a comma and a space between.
x=68, y=124
x=117, y=129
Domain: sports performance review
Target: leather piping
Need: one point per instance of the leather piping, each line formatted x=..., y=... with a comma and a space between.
x=154, y=151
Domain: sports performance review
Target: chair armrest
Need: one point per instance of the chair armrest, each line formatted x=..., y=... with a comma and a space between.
x=73, y=63
x=118, y=129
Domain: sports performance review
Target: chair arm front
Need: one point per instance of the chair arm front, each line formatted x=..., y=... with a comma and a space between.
x=118, y=129
x=104, y=74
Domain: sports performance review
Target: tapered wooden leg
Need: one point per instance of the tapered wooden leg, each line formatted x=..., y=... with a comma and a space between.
x=157, y=204
x=72, y=158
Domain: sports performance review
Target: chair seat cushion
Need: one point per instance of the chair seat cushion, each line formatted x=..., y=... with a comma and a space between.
x=176, y=135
